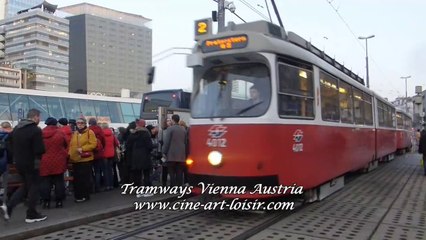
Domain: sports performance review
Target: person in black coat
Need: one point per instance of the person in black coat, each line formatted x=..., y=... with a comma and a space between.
x=138, y=154
x=27, y=147
x=422, y=148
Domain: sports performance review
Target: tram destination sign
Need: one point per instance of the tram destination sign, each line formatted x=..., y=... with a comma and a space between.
x=224, y=43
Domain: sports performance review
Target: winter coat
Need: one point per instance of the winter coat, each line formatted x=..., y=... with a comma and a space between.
x=9, y=152
x=54, y=160
x=87, y=141
x=138, y=149
x=111, y=143
x=6, y=156
x=100, y=137
x=175, y=144
x=422, y=142
x=27, y=146
x=67, y=132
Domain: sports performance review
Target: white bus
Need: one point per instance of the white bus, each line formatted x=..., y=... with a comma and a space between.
x=15, y=103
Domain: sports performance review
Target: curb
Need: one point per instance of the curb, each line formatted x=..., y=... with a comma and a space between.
x=42, y=230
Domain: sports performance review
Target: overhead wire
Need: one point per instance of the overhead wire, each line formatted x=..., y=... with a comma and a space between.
x=356, y=38
x=254, y=10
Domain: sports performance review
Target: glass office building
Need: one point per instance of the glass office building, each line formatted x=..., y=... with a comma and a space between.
x=37, y=42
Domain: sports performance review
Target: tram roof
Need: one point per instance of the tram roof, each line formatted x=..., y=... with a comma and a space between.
x=264, y=36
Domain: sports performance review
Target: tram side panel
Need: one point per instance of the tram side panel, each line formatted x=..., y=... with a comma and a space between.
x=403, y=139
x=385, y=142
x=306, y=155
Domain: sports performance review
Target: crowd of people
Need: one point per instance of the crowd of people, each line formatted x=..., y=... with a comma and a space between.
x=97, y=158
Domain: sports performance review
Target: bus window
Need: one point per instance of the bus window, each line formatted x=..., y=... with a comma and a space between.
x=4, y=107
x=39, y=102
x=128, y=114
x=87, y=108
x=102, y=111
x=18, y=105
x=72, y=108
x=136, y=109
x=55, y=107
x=115, y=111
x=151, y=102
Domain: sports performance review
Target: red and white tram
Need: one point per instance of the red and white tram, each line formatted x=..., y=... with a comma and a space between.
x=404, y=131
x=269, y=108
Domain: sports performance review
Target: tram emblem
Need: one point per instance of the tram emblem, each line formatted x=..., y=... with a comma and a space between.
x=298, y=137
x=216, y=133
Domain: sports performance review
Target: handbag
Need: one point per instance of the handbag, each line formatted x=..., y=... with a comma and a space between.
x=83, y=154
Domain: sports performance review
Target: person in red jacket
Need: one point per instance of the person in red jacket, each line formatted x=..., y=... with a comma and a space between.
x=98, y=163
x=111, y=143
x=63, y=126
x=53, y=163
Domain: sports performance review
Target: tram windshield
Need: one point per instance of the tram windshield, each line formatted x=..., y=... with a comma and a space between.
x=239, y=90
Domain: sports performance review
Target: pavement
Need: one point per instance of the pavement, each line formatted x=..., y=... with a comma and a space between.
x=101, y=205
x=387, y=203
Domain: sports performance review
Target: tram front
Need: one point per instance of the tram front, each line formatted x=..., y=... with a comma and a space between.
x=230, y=122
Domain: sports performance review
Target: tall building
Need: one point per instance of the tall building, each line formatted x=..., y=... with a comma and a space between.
x=9, y=8
x=37, y=43
x=109, y=51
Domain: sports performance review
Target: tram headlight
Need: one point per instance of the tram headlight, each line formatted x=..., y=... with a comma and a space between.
x=215, y=158
x=189, y=162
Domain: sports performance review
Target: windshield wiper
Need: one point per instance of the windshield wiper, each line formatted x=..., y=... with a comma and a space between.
x=248, y=108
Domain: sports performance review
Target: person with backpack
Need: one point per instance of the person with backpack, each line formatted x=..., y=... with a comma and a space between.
x=98, y=162
x=5, y=157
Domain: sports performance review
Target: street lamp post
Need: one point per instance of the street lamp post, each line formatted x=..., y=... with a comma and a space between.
x=366, y=57
x=406, y=96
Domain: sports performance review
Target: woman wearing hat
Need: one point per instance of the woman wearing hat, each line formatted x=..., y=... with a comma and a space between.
x=53, y=163
x=82, y=144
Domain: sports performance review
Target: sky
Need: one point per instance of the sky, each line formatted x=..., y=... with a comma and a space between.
x=397, y=50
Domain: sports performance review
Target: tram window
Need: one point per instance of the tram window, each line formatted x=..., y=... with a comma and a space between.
x=18, y=103
x=296, y=95
x=329, y=98
x=399, y=121
x=72, y=108
x=55, y=107
x=368, y=109
x=346, y=103
x=408, y=123
x=391, y=121
x=381, y=113
x=39, y=102
x=358, y=106
x=229, y=91
x=4, y=107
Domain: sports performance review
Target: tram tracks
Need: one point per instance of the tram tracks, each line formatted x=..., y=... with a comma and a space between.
x=205, y=224
x=169, y=224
